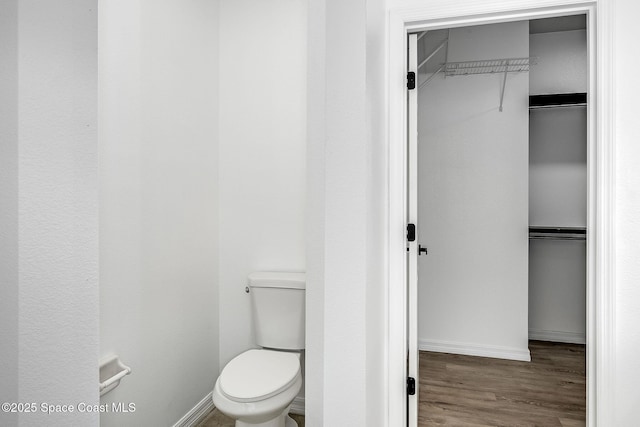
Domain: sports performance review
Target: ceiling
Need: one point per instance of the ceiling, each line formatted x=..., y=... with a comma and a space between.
x=561, y=23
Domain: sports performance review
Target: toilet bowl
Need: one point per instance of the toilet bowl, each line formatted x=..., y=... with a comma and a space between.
x=257, y=387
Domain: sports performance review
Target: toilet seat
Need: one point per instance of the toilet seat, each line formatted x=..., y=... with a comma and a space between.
x=258, y=375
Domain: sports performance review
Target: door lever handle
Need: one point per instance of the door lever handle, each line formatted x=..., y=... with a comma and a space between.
x=421, y=250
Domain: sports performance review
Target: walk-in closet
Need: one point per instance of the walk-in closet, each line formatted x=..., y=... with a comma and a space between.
x=502, y=221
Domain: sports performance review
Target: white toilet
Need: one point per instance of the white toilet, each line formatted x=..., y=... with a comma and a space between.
x=257, y=387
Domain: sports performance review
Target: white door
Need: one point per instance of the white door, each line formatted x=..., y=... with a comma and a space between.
x=412, y=232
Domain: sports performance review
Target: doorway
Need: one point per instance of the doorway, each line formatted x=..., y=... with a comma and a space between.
x=412, y=21
x=501, y=201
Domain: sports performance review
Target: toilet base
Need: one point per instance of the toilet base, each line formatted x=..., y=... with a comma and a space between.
x=282, y=420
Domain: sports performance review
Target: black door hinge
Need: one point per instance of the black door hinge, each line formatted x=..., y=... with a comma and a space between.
x=411, y=232
x=411, y=80
x=411, y=386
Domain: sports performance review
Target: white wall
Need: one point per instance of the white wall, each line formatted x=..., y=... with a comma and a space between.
x=377, y=208
x=314, y=215
x=473, y=201
x=346, y=383
x=262, y=154
x=9, y=247
x=158, y=204
x=561, y=65
x=53, y=164
x=557, y=290
x=627, y=129
x=558, y=167
x=345, y=208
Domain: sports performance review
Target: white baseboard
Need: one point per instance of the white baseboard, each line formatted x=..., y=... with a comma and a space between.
x=297, y=407
x=197, y=413
x=558, y=336
x=200, y=411
x=496, y=352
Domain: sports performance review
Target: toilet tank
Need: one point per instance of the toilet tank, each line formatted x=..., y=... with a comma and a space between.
x=278, y=302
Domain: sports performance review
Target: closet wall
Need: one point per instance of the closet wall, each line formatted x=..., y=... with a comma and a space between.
x=558, y=189
x=473, y=201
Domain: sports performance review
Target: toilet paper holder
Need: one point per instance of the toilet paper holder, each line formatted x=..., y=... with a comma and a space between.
x=112, y=370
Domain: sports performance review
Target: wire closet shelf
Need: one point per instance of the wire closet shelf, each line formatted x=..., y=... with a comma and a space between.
x=502, y=66
x=488, y=66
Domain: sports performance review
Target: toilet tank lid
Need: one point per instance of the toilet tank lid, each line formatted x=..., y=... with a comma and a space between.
x=273, y=279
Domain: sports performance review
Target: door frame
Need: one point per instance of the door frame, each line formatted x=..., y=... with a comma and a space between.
x=601, y=173
x=411, y=186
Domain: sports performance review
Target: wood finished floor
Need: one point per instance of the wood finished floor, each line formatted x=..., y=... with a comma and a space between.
x=218, y=419
x=476, y=391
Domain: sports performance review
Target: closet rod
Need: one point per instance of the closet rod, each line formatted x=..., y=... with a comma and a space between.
x=557, y=233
